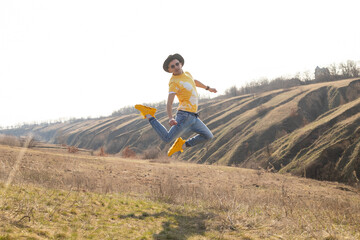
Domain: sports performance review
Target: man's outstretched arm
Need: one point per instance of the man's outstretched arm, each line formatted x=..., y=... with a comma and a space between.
x=201, y=85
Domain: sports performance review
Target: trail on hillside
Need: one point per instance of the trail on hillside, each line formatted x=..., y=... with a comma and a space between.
x=309, y=130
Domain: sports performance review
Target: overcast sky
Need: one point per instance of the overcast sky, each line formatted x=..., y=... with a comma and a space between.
x=64, y=59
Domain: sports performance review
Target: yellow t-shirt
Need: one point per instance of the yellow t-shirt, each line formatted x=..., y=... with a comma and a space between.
x=183, y=86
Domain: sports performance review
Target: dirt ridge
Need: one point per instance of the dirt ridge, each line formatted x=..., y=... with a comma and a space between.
x=290, y=130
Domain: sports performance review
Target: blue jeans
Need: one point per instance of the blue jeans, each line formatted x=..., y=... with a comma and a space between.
x=186, y=121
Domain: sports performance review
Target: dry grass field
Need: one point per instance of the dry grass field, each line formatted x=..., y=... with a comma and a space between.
x=48, y=193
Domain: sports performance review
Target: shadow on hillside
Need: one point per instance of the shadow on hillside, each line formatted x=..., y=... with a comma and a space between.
x=176, y=226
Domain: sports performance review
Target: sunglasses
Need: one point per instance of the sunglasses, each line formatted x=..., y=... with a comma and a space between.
x=176, y=64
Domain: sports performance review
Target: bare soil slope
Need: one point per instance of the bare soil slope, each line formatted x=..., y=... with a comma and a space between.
x=309, y=131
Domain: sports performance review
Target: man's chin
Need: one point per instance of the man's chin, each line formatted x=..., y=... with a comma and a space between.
x=178, y=72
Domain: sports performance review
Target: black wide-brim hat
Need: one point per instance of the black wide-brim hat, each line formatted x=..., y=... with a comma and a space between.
x=170, y=58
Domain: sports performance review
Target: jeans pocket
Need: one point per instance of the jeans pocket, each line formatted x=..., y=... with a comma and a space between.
x=181, y=118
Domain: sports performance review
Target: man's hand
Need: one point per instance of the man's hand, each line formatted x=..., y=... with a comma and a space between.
x=172, y=122
x=213, y=90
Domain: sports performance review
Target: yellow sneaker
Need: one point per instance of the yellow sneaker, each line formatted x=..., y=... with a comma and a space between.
x=177, y=146
x=144, y=110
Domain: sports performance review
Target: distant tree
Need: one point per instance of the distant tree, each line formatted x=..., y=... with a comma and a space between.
x=102, y=152
x=345, y=70
x=354, y=71
x=292, y=82
x=128, y=153
x=278, y=83
x=232, y=91
x=349, y=69
x=264, y=84
x=72, y=149
x=322, y=74
x=306, y=76
x=334, y=71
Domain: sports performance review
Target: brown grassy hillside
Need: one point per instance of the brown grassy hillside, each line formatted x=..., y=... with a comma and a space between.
x=311, y=131
x=48, y=193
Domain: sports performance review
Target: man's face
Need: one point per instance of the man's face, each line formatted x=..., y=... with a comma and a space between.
x=175, y=67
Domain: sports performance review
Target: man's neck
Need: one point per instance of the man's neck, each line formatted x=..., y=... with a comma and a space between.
x=179, y=73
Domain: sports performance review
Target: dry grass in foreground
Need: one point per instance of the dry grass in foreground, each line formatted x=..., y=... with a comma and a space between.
x=78, y=196
x=29, y=212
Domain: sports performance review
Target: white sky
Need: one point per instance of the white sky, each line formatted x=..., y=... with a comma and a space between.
x=72, y=58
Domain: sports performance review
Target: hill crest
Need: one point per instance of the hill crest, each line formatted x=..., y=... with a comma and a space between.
x=309, y=130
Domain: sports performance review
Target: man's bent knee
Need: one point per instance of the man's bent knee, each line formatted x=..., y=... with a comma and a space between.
x=209, y=136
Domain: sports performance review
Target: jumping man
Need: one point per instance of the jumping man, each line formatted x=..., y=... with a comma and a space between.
x=182, y=85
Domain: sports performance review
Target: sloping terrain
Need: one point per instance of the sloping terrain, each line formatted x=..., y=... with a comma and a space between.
x=309, y=131
x=48, y=193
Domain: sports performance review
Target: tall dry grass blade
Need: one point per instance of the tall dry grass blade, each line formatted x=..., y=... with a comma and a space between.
x=15, y=168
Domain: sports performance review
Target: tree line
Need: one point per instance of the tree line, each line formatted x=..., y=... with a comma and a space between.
x=331, y=73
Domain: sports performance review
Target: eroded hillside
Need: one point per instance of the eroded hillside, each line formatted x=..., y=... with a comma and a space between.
x=311, y=131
